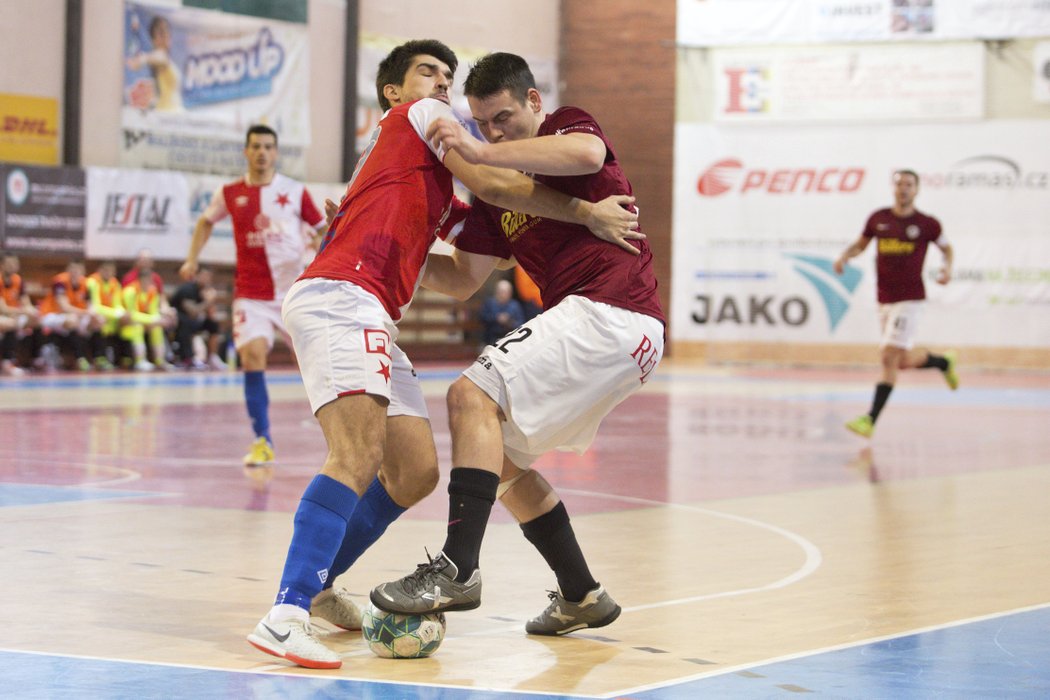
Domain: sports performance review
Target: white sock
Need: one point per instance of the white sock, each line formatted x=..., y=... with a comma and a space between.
x=283, y=612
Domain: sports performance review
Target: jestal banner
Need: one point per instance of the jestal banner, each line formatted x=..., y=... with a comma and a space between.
x=128, y=210
x=760, y=215
x=195, y=80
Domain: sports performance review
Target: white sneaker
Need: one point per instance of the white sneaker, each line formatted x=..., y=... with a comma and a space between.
x=10, y=369
x=215, y=362
x=144, y=366
x=335, y=606
x=293, y=640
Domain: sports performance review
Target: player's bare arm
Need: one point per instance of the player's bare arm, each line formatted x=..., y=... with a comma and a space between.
x=201, y=234
x=855, y=249
x=564, y=154
x=508, y=189
x=458, y=275
x=944, y=275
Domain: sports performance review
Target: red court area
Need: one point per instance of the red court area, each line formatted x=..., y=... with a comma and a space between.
x=691, y=436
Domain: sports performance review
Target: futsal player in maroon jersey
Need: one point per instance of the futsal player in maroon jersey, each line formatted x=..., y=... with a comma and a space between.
x=903, y=234
x=548, y=384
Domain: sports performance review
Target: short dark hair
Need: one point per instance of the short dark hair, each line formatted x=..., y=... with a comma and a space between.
x=497, y=72
x=156, y=23
x=392, y=69
x=905, y=171
x=259, y=129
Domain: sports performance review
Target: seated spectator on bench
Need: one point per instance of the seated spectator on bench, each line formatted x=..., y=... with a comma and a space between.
x=18, y=316
x=194, y=303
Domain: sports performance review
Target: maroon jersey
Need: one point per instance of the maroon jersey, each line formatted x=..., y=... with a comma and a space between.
x=900, y=253
x=564, y=258
x=399, y=200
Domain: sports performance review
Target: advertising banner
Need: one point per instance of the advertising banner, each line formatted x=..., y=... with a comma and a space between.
x=741, y=22
x=128, y=210
x=195, y=80
x=849, y=83
x=42, y=211
x=28, y=129
x=761, y=214
x=1041, y=72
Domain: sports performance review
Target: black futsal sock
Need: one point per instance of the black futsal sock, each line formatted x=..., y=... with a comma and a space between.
x=553, y=536
x=471, y=495
x=938, y=361
x=882, y=393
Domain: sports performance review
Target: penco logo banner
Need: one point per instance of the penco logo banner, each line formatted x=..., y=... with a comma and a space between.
x=761, y=214
x=744, y=22
x=195, y=80
x=848, y=83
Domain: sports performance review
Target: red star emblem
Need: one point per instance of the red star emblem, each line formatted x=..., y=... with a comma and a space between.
x=385, y=371
x=282, y=199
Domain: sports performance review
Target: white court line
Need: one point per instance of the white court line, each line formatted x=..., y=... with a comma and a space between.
x=813, y=556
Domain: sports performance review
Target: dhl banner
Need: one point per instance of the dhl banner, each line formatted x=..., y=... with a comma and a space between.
x=29, y=129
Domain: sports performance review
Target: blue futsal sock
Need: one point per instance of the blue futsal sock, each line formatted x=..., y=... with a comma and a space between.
x=258, y=402
x=374, y=512
x=320, y=523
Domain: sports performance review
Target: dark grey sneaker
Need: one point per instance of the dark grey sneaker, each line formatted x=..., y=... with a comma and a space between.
x=597, y=609
x=432, y=588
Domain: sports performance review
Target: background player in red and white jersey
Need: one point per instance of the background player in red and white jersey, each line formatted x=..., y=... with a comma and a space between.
x=549, y=383
x=268, y=211
x=342, y=317
x=903, y=234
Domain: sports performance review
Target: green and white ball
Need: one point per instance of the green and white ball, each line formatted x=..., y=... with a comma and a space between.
x=394, y=636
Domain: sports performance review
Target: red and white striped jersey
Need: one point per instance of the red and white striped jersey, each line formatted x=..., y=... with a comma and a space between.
x=267, y=231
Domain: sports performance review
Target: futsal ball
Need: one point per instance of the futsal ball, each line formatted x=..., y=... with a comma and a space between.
x=394, y=636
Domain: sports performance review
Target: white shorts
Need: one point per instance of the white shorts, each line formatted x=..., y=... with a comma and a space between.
x=899, y=322
x=255, y=318
x=560, y=374
x=345, y=342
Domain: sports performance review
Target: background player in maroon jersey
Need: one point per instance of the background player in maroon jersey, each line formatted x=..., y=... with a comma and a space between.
x=903, y=234
x=548, y=384
x=342, y=316
x=267, y=210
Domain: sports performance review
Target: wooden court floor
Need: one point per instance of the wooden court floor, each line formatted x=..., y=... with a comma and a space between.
x=757, y=548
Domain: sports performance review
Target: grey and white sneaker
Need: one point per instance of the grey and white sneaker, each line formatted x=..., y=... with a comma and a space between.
x=335, y=606
x=293, y=640
x=597, y=609
x=432, y=588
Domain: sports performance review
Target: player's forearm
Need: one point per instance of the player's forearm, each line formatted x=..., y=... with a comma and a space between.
x=571, y=154
x=516, y=192
x=443, y=275
x=201, y=234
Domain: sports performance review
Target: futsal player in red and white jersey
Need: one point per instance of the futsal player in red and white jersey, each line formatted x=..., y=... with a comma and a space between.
x=268, y=211
x=548, y=384
x=903, y=234
x=342, y=317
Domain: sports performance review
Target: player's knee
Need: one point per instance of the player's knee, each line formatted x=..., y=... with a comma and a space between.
x=410, y=486
x=464, y=396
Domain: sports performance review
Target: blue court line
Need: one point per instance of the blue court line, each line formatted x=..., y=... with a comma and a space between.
x=1001, y=656
x=37, y=494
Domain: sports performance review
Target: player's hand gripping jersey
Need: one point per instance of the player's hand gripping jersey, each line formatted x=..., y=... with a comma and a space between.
x=267, y=230
x=398, y=201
